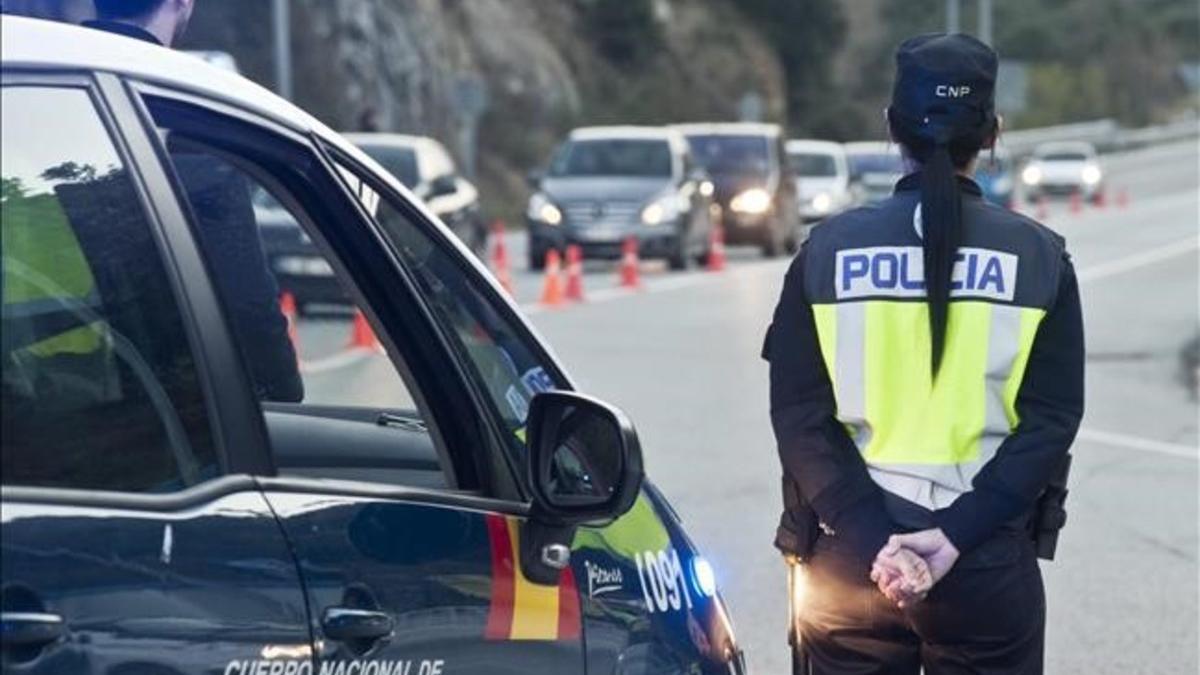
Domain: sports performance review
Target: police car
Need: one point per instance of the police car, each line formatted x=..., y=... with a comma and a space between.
x=159, y=517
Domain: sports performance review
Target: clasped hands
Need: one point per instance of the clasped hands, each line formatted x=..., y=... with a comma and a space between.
x=909, y=565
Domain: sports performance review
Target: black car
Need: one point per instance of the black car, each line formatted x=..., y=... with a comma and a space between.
x=754, y=186
x=162, y=513
x=606, y=184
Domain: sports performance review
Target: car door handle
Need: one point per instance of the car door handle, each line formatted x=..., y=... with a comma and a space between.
x=30, y=629
x=344, y=624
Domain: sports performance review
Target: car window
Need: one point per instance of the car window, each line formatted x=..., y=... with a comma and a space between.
x=817, y=165
x=875, y=163
x=100, y=390
x=736, y=154
x=295, y=309
x=346, y=411
x=401, y=162
x=500, y=356
x=612, y=157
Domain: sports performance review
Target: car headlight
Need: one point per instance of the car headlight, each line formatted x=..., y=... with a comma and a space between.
x=822, y=203
x=706, y=188
x=703, y=577
x=661, y=210
x=752, y=201
x=1031, y=175
x=543, y=210
x=1091, y=174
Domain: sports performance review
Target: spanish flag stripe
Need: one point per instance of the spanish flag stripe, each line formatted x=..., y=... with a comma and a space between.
x=500, y=613
x=568, y=607
x=535, y=614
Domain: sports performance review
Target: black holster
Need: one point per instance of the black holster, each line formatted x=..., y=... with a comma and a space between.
x=798, y=525
x=1050, y=514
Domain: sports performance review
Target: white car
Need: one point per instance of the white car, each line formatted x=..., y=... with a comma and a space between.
x=426, y=168
x=822, y=177
x=875, y=166
x=1063, y=168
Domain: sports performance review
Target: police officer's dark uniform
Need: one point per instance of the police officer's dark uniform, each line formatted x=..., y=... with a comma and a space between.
x=873, y=444
x=228, y=232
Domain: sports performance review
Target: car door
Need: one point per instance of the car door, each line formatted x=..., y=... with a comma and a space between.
x=133, y=540
x=642, y=609
x=405, y=516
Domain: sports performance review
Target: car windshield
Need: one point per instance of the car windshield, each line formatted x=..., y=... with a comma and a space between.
x=810, y=164
x=875, y=163
x=612, y=157
x=1063, y=157
x=730, y=154
x=400, y=162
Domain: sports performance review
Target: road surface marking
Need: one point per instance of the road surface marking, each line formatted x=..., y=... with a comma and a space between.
x=1142, y=444
x=1138, y=260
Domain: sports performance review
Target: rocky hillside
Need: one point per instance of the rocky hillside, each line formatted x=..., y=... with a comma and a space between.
x=545, y=67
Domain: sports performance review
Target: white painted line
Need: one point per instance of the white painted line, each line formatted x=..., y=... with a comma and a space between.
x=1141, y=444
x=1137, y=260
x=338, y=360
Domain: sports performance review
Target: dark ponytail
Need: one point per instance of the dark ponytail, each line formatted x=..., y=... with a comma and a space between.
x=941, y=213
x=941, y=219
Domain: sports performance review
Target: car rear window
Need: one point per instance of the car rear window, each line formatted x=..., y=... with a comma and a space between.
x=613, y=157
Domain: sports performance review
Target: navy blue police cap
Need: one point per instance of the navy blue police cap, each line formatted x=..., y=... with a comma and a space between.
x=945, y=85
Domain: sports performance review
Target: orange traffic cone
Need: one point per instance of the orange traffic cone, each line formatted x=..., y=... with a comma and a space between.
x=716, y=248
x=629, y=264
x=1043, y=212
x=500, y=258
x=1076, y=202
x=574, y=273
x=552, y=290
x=361, y=335
x=287, y=306
x=1122, y=198
x=1102, y=198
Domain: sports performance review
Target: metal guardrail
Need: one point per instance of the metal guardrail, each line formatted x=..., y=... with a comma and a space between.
x=1105, y=134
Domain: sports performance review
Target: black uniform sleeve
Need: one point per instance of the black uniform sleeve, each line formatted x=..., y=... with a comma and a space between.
x=814, y=448
x=1050, y=406
x=220, y=199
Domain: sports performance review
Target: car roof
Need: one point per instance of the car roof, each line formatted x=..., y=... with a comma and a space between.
x=728, y=129
x=622, y=131
x=814, y=145
x=631, y=132
x=871, y=147
x=39, y=44
x=1065, y=146
x=409, y=141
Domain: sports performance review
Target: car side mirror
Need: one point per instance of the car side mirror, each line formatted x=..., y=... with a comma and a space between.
x=585, y=461
x=443, y=185
x=584, y=465
x=534, y=178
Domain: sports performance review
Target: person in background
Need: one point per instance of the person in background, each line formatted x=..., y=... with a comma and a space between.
x=926, y=367
x=224, y=214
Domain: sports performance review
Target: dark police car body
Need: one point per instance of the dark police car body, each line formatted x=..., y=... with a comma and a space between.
x=754, y=184
x=159, y=518
x=607, y=184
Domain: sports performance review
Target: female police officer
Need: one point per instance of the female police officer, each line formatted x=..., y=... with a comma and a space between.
x=926, y=362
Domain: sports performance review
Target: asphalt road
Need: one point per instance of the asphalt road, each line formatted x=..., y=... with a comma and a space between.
x=681, y=358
